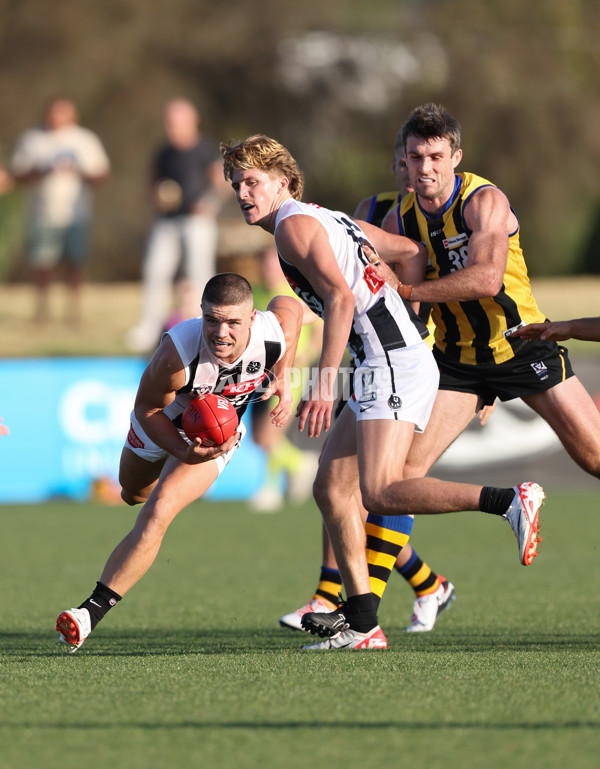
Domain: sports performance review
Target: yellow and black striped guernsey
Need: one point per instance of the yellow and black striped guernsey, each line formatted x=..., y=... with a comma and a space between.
x=380, y=204
x=470, y=332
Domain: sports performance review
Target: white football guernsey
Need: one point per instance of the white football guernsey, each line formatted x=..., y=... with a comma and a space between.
x=237, y=381
x=396, y=376
x=383, y=321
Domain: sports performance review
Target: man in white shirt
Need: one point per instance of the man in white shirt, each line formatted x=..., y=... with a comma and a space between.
x=59, y=161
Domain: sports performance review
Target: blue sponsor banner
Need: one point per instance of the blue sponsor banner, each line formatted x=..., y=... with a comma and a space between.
x=68, y=419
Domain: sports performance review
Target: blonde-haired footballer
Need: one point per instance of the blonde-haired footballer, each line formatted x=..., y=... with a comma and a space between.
x=326, y=258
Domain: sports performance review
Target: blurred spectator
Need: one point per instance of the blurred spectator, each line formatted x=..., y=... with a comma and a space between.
x=59, y=161
x=3, y=428
x=6, y=181
x=290, y=471
x=187, y=186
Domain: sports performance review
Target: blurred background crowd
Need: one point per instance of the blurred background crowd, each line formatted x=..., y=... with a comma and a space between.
x=334, y=81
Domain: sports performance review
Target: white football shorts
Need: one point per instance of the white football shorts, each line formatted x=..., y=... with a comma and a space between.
x=138, y=442
x=400, y=385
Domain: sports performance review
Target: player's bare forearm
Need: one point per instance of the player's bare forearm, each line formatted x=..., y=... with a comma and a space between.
x=288, y=312
x=394, y=248
x=316, y=406
x=159, y=384
x=481, y=275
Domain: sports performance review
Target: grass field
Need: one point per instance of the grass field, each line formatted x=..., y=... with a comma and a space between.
x=191, y=669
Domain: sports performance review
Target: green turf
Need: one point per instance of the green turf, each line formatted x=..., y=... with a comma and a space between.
x=191, y=669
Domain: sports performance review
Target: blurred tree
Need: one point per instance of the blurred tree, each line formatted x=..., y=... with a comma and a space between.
x=334, y=81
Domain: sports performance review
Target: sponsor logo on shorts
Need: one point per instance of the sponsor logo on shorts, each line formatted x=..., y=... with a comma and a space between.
x=541, y=370
x=253, y=367
x=394, y=402
x=133, y=439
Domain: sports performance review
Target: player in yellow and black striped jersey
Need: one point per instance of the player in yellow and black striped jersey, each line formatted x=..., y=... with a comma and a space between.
x=476, y=279
x=474, y=331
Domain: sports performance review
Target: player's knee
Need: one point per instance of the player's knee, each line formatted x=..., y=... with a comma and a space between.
x=592, y=466
x=415, y=469
x=152, y=523
x=372, y=499
x=133, y=497
x=324, y=492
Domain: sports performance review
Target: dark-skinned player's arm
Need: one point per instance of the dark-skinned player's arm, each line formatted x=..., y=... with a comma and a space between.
x=302, y=241
x=586, y=329
x=163, y=376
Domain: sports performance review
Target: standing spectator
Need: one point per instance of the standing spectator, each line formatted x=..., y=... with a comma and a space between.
x=59, y=161
x=186, y=185
x=6, y=181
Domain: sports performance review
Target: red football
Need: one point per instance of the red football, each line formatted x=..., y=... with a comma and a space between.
x=211, y=418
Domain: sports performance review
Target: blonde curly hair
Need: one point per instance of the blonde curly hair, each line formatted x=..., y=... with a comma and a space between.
x=265, y=154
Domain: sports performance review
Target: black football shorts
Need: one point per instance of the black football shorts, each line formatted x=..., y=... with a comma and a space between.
x=537, y=367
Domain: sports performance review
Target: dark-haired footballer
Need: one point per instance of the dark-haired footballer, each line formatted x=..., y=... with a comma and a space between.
x=230, y=349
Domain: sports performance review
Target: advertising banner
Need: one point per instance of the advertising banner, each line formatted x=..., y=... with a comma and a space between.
x=68, y=419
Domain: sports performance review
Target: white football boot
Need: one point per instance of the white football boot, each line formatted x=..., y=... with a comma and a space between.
x=352, y=639
x=427, y=608
x=292, y=620
x=523, y=516
x=74, y=627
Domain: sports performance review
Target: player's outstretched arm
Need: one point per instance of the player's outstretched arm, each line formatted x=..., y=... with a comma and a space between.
x=303, y=242
x=586, y=329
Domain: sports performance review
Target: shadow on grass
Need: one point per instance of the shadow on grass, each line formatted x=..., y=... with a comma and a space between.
x=426, y=726
x=145, y=642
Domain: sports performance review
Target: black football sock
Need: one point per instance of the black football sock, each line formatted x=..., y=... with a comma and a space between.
x=100, y=601
x=361, y=612
x=495, y=501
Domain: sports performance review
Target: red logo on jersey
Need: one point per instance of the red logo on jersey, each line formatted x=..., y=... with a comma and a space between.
x=240, y=388
x=372, y=279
